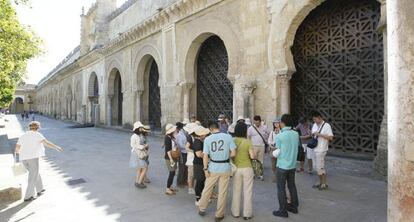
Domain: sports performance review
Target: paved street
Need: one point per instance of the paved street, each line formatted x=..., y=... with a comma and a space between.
x=100, y=157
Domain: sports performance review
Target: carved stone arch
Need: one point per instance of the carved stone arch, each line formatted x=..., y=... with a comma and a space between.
x=198, y=34
x=282, y=36
x=114, y=66
x=93, y=84
x=141, y=60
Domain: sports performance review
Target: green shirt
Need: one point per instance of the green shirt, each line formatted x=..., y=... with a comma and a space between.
x=287, y=141
x=242, y=159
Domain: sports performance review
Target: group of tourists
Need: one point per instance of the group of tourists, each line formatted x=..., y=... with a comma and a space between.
x=207, y=157
x=28, y=115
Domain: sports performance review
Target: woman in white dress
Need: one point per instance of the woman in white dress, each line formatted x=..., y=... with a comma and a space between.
x=139, y=153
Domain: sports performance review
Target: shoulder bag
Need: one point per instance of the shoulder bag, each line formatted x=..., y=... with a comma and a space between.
x=313, y=142
x=264, y=141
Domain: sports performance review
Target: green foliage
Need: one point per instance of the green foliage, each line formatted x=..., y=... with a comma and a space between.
x=18, y=44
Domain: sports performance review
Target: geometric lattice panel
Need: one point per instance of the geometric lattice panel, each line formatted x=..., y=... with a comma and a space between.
x=339, y=61
x=214, y=89
x=154, y=101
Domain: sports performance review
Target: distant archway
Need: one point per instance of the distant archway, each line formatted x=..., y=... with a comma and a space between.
x=116, y=96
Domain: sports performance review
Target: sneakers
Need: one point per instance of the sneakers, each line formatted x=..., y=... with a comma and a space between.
x=175, y=190
x=280, y=214
x=292, y=209
x=323, y=187
x=29, y=199
x=140, y=185
x=218, y=219
x=169, y=192
x=191, y=191
x=40, y=192
x=320, y=187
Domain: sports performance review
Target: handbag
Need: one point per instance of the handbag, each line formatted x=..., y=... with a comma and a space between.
x=175, y=153
x=313, y=142
x=257, y=168
x=142, y=154
x=264, y=141
x=19, y=169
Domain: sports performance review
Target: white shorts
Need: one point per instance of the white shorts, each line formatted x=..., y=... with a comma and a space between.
x=310, y=154
x=320, y=162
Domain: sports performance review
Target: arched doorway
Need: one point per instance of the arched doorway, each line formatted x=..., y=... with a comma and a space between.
x=17, y=106
x=338, y=55
x=93, y=95
x=115, y=90
x=214, y=89
x=154, y=101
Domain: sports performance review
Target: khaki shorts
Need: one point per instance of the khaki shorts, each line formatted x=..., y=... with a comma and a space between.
x=320, y=162
x=190, y=174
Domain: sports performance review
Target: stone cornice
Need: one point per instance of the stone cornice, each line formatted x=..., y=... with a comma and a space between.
x=173, y=13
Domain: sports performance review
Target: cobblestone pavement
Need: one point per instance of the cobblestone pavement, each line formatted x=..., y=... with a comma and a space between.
x=100, y=157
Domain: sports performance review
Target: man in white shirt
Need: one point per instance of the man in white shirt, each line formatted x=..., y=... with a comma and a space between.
x=30, y=147
x=323, y=131
x=258, y=134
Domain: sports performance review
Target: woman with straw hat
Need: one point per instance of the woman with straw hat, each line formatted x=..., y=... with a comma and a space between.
x=29, y=148
x=200, y=133
x=171, y=163
x=139, y=153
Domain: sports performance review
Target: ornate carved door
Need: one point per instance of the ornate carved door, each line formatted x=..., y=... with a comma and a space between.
x=338, y=55
x=214, y=89
x=154, y=108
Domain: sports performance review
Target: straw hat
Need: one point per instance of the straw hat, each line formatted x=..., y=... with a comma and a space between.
x=240, y=118
x=137, y=125
x=198, y=123
x=189, y=128
x=146, y=128
x=169, y=128
x=185, y=121
x=201, y=131
x=247, y=121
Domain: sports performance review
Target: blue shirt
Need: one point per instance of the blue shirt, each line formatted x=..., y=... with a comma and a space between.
x=218, y=147
x=287, y=141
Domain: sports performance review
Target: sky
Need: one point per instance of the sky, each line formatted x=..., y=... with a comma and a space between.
x=57, y=23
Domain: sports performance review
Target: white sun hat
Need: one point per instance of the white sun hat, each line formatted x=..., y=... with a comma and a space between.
x=190, y=127
x=137, y=125
x=201, y=131
x=169, y=128
x=240, y=118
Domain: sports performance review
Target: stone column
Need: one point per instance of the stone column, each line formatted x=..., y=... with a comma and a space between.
x=186, y=89
x=109, y=113
x=138, y=105
x=400, y=27
x=248, y=100
x=284, y=86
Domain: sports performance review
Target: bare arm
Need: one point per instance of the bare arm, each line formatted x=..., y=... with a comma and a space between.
x=205, y=165
x=51, y=145
x=252, y=154
x=199, y=154
x=233, y=153
x=17, y=149
x=187, y=147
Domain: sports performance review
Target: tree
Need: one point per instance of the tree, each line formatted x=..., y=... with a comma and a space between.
x=18, y=44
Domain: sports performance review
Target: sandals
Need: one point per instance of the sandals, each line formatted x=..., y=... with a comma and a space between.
x=320, y=187
x=300, y=170
x=169, y=192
